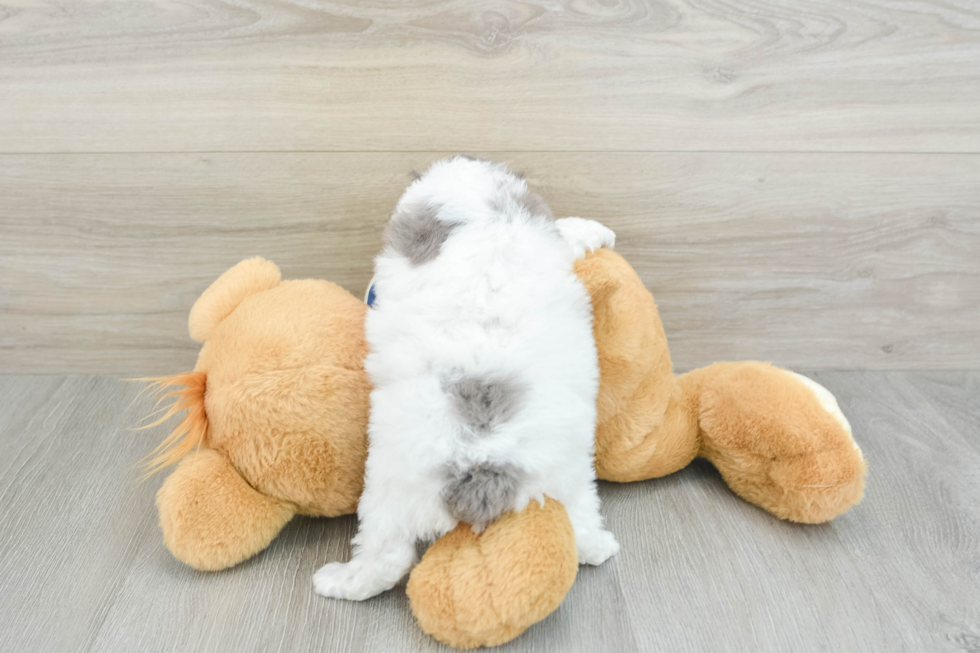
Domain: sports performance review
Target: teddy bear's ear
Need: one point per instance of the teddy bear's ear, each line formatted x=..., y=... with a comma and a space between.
x=249, y=277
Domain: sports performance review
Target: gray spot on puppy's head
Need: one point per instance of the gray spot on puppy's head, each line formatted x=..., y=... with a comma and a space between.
x=418, y=234
x=483, y=403
x=479, y=494
x=536, y=207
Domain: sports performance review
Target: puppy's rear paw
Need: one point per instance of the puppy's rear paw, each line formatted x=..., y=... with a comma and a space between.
x=585, y=235
x=353, y=581
x=596, y=547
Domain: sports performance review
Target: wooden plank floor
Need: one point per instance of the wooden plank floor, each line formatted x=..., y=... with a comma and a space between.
x=83, y=568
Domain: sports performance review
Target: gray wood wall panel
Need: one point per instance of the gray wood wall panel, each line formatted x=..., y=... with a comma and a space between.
x=197, y=75
x=809, y=260
x=796, y=181
x=83, y=567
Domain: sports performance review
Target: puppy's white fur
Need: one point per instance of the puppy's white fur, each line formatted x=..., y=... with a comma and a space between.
x=499, y=300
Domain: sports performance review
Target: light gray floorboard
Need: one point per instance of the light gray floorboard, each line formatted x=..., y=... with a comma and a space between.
x=83, y=568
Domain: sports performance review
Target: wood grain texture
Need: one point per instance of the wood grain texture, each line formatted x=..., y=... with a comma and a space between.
x=809, y=260
x=504, y=75
x=83, y=567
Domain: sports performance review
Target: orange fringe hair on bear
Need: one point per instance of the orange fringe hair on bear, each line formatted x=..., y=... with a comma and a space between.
x=276, y=425
x=190, y=432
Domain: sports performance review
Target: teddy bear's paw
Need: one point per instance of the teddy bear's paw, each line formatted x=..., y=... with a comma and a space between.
x=354, y=581
x=829, y=403
x=474, y=590
x=596, y=547
x=585, y=235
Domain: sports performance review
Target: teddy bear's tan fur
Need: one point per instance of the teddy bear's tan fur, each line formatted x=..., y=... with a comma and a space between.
x=277, y=409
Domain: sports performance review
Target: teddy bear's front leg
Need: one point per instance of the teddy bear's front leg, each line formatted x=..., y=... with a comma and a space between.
x=211, y=518
x=485, y=589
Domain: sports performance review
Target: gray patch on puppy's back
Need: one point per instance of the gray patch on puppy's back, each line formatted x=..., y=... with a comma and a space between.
x=484, y=403
x=418, y=235
x=479, y=494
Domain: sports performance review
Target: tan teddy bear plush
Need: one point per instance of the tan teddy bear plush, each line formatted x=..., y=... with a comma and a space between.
x=276, y=425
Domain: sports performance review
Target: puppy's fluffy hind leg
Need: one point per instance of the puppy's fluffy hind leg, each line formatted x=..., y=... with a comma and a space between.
x=384, y=551
x=594, y=543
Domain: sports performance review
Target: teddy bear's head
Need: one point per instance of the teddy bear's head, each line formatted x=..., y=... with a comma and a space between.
x=287, y=395
x=276, y=414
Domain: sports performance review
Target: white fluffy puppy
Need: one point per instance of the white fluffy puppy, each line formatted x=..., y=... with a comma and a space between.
x=484, y=369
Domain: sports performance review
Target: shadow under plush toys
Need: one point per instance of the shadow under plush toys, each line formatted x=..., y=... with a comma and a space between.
x=276, y=425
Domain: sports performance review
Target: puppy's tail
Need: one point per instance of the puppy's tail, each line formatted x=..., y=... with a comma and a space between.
x=190, y=431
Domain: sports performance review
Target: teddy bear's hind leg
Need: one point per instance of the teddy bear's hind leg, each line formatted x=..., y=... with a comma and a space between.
x=779, y=440
x=485, y=589
x=211, y=518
